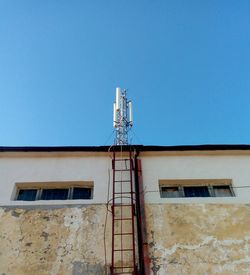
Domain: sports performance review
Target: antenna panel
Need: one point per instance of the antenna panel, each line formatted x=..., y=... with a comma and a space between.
x=122, y=117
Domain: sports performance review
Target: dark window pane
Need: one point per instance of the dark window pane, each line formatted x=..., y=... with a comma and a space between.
x=222, y=191
x=54, y=194
x=26, y=195
x=81, y=194
x=170, y=192
x=196, y=191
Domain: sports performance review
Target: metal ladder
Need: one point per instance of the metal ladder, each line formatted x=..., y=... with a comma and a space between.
x=123, y=216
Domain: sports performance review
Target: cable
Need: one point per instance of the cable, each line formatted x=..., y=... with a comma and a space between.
x=133, y=132
x=246, y=186
x=109, y=137
x=106, y=216
x=157, y=191
x=105, y=223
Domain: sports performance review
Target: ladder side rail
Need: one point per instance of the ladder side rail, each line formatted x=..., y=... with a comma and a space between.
x=132, y=210
x=113, y=216
x=121, y=215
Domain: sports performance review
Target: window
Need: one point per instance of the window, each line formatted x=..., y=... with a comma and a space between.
x=54, y=194
x=196, y=191
x=169, y=192
x=26, y=194
x=54, y=191
x=81, y=193
x=195, y=188
x=222, y=191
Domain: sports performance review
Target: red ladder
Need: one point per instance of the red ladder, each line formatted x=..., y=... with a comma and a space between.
x=123, y=216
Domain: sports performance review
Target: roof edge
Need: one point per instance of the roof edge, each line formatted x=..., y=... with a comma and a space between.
x=142, y=148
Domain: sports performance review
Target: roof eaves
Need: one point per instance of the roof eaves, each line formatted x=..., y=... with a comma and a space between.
x=142, y=148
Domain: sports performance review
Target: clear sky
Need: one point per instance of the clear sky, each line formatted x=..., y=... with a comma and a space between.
x=186, y=65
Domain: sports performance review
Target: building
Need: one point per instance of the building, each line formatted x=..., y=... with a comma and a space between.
x=192, y=203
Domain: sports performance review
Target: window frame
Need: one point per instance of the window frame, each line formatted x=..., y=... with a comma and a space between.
x=209, y=183
x=39, y=187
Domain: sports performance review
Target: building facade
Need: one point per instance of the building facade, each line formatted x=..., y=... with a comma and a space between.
x=192, y=203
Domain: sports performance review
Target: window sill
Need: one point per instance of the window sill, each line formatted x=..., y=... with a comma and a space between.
x=201, y=200
x=49, y=202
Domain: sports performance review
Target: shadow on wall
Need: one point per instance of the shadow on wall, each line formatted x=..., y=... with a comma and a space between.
x=80, y=268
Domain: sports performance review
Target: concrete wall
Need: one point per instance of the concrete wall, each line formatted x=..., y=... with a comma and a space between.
x=50, y=240
x=185, y=235
x=235, y=167
x=97, y=168
x=183, y=239
x=199, y=238
x=54, y=169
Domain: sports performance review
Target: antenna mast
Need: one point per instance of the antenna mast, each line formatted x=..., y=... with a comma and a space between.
x=122, y=120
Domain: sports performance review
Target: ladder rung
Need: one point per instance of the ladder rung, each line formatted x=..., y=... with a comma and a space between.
x=121, y=159
x=120, y=193
x=123, y=219
x=122, y=205
x=125, y=249
x=122, y=181
x=119, y=170
x=126, y=233
x=123, y=267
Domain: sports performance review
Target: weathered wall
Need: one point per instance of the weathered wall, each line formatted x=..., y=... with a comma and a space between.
x=53, y=240
x=199, y=238
x=183, y=239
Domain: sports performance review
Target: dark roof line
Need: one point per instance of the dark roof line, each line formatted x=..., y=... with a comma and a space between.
x=206, y=147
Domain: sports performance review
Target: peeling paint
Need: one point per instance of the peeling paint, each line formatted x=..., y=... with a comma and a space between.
x=183, y=239
x=199, y=239
x=52, y=241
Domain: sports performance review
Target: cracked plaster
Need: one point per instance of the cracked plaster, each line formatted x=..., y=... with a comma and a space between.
x=183, y=239
x=199, y=239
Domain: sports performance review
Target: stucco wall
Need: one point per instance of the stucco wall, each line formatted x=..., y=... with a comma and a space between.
x=65, y=240
x=183, y=239
x=97, y=168
x=199, y=238
x=54, y=169
x=234, y=167
x=185, y=235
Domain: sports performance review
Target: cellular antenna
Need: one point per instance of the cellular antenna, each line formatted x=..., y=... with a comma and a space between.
x=122, y=120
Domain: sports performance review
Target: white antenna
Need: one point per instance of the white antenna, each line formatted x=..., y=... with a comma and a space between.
x=122, y=119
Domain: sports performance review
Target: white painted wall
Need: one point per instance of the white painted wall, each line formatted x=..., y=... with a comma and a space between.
x=97, y=169
x=232, y=167
x=14, y=170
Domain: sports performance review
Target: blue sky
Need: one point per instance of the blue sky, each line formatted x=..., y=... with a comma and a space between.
x=186, y=65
